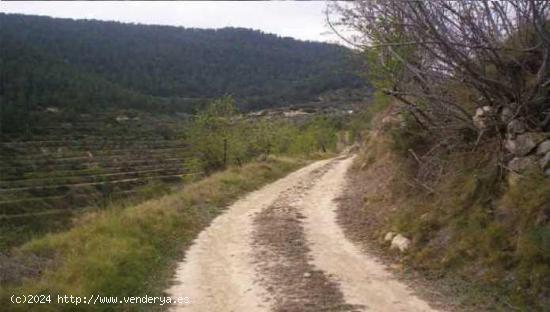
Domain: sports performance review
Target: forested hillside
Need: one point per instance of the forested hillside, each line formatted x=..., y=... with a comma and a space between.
x=89, y=65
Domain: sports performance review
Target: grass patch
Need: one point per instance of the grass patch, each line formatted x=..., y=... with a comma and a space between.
x=16, y=231
x=128, y=251
x=479, y=236
x=478, y=228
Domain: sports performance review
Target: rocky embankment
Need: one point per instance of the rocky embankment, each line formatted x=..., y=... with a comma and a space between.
x=527, y=148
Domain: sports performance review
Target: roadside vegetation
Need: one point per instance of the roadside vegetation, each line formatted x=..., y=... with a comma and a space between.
x=126, y=247
x=476, y=239
x=129, y=250
x=117, y=156
x=457, y=138
x=220, y=137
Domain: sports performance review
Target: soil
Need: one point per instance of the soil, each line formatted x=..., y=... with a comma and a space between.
x=363, y=209
x=281, y=249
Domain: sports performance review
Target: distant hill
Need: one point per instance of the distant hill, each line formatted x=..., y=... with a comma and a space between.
x=87, y=65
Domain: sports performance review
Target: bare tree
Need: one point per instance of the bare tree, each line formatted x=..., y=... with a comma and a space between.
x=443, y=59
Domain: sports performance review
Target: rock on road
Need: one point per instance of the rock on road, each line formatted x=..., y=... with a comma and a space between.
x=280, y=249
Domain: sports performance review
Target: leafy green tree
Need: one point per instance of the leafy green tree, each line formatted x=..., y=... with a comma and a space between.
x=211, y=136
x=264, y=137
x=324, y=131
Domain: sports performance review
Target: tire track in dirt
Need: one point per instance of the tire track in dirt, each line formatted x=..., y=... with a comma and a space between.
x=280, y=248
x=364, y=281
x=218, y=273
x=282, y=255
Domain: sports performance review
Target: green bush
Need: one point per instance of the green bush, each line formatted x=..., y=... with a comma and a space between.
x=220, y=137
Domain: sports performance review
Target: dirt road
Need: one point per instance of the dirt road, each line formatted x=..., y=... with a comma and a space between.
x=280, y=249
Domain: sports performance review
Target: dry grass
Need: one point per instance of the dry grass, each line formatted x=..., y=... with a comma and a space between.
x=128, y=251
x=480, y=239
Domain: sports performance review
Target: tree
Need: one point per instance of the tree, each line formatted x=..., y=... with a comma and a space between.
x=265, y=136
x=90, y=65
x=443, y=59
x=212, y=134
x=323, y=132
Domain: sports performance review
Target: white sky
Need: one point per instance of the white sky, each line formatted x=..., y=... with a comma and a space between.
x=303, y=20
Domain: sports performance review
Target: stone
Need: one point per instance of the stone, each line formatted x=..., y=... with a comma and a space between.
x=400, y=242
x=522, y=144
x=544, y=162
x=389, y=236
x=515, y=127
x=122, y=118
x=307, y=275
x=544, y=148
x=519, y=164
x=506, y=115
x=52, y=109
x=483, y=117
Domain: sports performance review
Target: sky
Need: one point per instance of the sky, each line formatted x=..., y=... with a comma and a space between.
x=303, y=20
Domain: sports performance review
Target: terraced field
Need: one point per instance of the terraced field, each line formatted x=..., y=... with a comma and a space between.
x=56, y=171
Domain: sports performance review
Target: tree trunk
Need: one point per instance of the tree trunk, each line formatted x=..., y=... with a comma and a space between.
x=225, y=152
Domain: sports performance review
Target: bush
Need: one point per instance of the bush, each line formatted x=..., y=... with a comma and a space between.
x=219, y=137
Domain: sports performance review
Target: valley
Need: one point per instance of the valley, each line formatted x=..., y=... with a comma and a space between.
x=76, y=136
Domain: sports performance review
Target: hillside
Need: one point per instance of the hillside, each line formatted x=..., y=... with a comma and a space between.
x=99, y=112
x=88, y=65
x=475, y=241
x=457, y=138
x=262, y=173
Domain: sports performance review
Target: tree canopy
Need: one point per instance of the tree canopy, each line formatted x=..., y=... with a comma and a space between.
x=85, y=65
